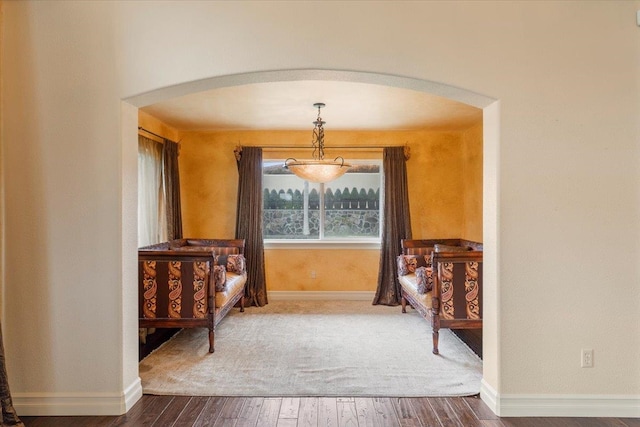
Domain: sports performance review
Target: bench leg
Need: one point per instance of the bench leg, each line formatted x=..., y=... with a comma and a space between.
x=211, y=340
x=435, y=342
x=242, y=304
x=435, y=324
x=403, y=301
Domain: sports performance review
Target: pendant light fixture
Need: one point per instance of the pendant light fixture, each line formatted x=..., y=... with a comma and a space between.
x=318, y=169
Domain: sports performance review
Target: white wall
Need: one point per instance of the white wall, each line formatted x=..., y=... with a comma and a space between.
x=565, y=220
x=68, y=212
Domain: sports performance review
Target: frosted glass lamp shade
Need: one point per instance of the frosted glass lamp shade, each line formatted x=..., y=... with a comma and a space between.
x=318, y=170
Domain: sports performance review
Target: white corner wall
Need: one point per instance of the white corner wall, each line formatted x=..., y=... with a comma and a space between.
x=70, y=318
x=563, y=175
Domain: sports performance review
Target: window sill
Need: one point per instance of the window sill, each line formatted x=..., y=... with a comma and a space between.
x=322, y=244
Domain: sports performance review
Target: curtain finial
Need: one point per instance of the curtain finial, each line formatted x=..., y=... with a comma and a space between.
x=238, y=152
x=407, y=152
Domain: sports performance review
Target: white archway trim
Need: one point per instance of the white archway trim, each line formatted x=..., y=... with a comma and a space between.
x=491, y=378
x=435, y=88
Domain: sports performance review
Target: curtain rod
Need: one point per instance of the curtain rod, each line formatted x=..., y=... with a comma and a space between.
x=342, y=147
x=152, y=133
x=406, y=148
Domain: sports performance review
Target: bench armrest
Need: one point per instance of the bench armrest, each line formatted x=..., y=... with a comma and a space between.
x=457, y=285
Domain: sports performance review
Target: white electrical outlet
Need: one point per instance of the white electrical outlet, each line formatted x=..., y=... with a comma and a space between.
x=313, y=274
x=586, y=358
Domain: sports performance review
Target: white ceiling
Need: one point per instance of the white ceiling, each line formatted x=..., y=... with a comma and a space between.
x=289, y=106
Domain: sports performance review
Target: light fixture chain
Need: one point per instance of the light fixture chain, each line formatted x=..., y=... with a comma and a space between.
x=318, y=136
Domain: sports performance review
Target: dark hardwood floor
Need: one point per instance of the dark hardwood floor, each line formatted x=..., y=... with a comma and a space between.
x=182, y=411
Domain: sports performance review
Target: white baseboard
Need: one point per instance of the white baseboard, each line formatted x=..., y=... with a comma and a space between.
x=562, y=405
x=53, y=404
x=132, y=394
x=321, y=295
x=489, y=396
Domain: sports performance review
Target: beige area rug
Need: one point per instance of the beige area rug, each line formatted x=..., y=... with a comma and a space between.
x=314, y=348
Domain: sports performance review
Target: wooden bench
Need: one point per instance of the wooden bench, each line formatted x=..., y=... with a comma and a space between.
x=452, y=298
x=182, y=285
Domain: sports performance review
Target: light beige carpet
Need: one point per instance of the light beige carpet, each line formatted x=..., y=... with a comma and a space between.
x=314, y=348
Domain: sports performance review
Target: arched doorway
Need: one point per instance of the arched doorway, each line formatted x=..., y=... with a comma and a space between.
x=490, y=169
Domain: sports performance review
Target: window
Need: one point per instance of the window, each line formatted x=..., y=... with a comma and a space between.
x=152, y=220
x=346, y=209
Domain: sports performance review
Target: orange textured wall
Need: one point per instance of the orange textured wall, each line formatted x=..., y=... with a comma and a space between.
x=436, y=186
x=472, y=173
x=437, y=197
x=156, y=126
x=209, y=185
x=335, y=269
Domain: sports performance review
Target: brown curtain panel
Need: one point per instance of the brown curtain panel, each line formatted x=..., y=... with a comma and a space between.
x=249, y=222
x=172, y=188
x=9, y=415
x=396, y=224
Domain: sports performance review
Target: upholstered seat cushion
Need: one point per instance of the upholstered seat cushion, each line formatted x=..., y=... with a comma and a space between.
x=235, y=283
x=410, y=285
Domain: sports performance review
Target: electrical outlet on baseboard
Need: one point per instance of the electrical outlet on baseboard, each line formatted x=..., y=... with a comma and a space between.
x=586, y=358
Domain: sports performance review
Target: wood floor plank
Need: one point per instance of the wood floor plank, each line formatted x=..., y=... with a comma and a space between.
x=250, y=411
x=210, y=412
x=464, y=413
x=327, y=412
x=230, y=412
x=614, y=422
x=172, y=412
x=631, y=422
x=232, y=407
x=479, y=408
x=308, y=413
x=61, y=421
x=385, y=412
x=105, y=421
x=445, y=413
x=33, y=421
x=409, y=422
x=406, y=414
x=525, y=422
x=225, y=422
x=365, y=411
x=269, y=413
x=584, y=422
x=347, y=416
x=491, y=423
x=290, y=407
x=287, y=422
x=191, y=412
x=145, y=412
x=608, y=422
x=424, y=412
x=559, y=422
